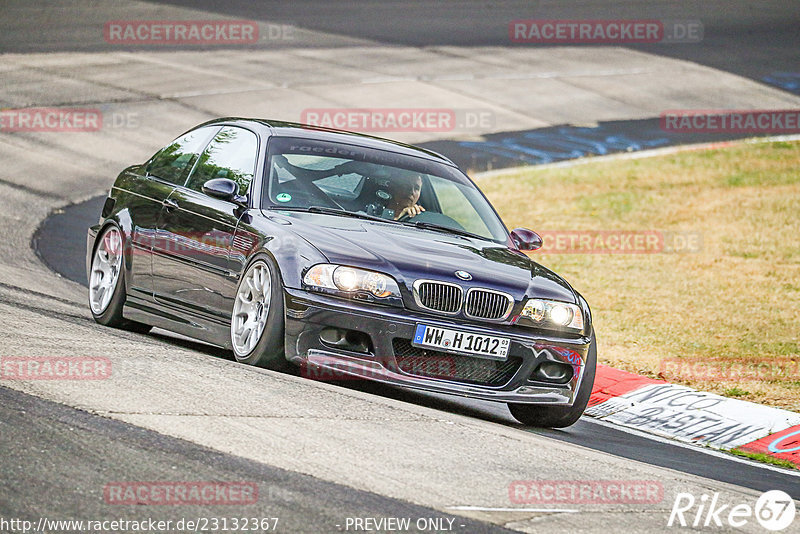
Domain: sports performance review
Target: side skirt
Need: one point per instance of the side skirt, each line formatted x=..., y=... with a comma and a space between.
x=178, y=320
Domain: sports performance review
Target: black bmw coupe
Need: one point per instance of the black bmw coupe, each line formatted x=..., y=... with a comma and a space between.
x=292, y=244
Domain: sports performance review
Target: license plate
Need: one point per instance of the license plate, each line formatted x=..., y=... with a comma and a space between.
x=458, y=341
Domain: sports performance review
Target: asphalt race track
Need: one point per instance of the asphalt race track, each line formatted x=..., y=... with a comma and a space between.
x=57, y=245
x=84, y=453
x=322, y=454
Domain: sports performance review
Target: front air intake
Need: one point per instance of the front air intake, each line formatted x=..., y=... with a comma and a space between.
x=438, y=296
x=488, y=304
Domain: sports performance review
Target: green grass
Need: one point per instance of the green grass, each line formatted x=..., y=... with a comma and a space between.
x=736, y=298
x=736, y=391
x=615, y=204
x=764, y=458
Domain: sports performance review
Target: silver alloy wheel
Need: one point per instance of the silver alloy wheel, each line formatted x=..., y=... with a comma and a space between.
x=106, y=266
x=251, y=308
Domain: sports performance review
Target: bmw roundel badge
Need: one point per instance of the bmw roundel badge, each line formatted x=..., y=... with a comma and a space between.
x=464, y=275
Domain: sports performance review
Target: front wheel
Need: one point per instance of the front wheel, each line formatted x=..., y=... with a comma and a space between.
x=257, y=322
x=561, y=416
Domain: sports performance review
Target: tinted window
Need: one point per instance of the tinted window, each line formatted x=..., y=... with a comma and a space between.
x=232, y=155
x=174, y=161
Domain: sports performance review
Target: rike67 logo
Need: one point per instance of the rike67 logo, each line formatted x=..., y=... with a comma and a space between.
x=774, y=510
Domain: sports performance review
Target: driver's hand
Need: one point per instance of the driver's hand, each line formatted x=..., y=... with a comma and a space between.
x=410, y=211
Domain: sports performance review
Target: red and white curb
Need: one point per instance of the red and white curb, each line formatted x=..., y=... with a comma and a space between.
x=688, y=415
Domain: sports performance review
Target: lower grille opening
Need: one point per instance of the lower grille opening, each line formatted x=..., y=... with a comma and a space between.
x=427, y=363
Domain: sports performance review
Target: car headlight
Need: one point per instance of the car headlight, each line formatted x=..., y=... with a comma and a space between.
x=351, y=282
x=553, y=314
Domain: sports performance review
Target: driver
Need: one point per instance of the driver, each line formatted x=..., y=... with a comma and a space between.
x=405, y=190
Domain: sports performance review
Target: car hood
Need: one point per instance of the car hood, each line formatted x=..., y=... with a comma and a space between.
x=408, y=254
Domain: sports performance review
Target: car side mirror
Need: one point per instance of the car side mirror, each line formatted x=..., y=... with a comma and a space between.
x=526, y=239
x=224, y=189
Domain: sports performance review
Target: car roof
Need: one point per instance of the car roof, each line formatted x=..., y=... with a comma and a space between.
x=307, y=131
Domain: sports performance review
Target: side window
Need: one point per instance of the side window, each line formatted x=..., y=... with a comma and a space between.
x=231, y=154
x=456, y=205
x=173, y=162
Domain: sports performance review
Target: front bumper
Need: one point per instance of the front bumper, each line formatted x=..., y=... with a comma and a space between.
x=389, y=352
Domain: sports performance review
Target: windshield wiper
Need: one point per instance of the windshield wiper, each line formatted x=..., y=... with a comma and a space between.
x=330, y=211
x=441, y=228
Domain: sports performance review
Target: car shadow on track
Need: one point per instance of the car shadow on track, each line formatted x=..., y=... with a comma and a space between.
x=487, y=411
x=177, y=340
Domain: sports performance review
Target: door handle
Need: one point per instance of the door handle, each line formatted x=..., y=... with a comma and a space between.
x=169, y=203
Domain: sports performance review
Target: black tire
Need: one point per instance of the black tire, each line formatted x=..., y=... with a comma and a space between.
x=269, y=351
x=560, y=416
x=112, y=315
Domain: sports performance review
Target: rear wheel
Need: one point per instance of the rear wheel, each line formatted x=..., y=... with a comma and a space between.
x=561, y=416
x=257, y=322
x=107, y=283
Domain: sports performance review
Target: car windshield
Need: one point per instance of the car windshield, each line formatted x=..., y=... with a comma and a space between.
x=376, y=184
